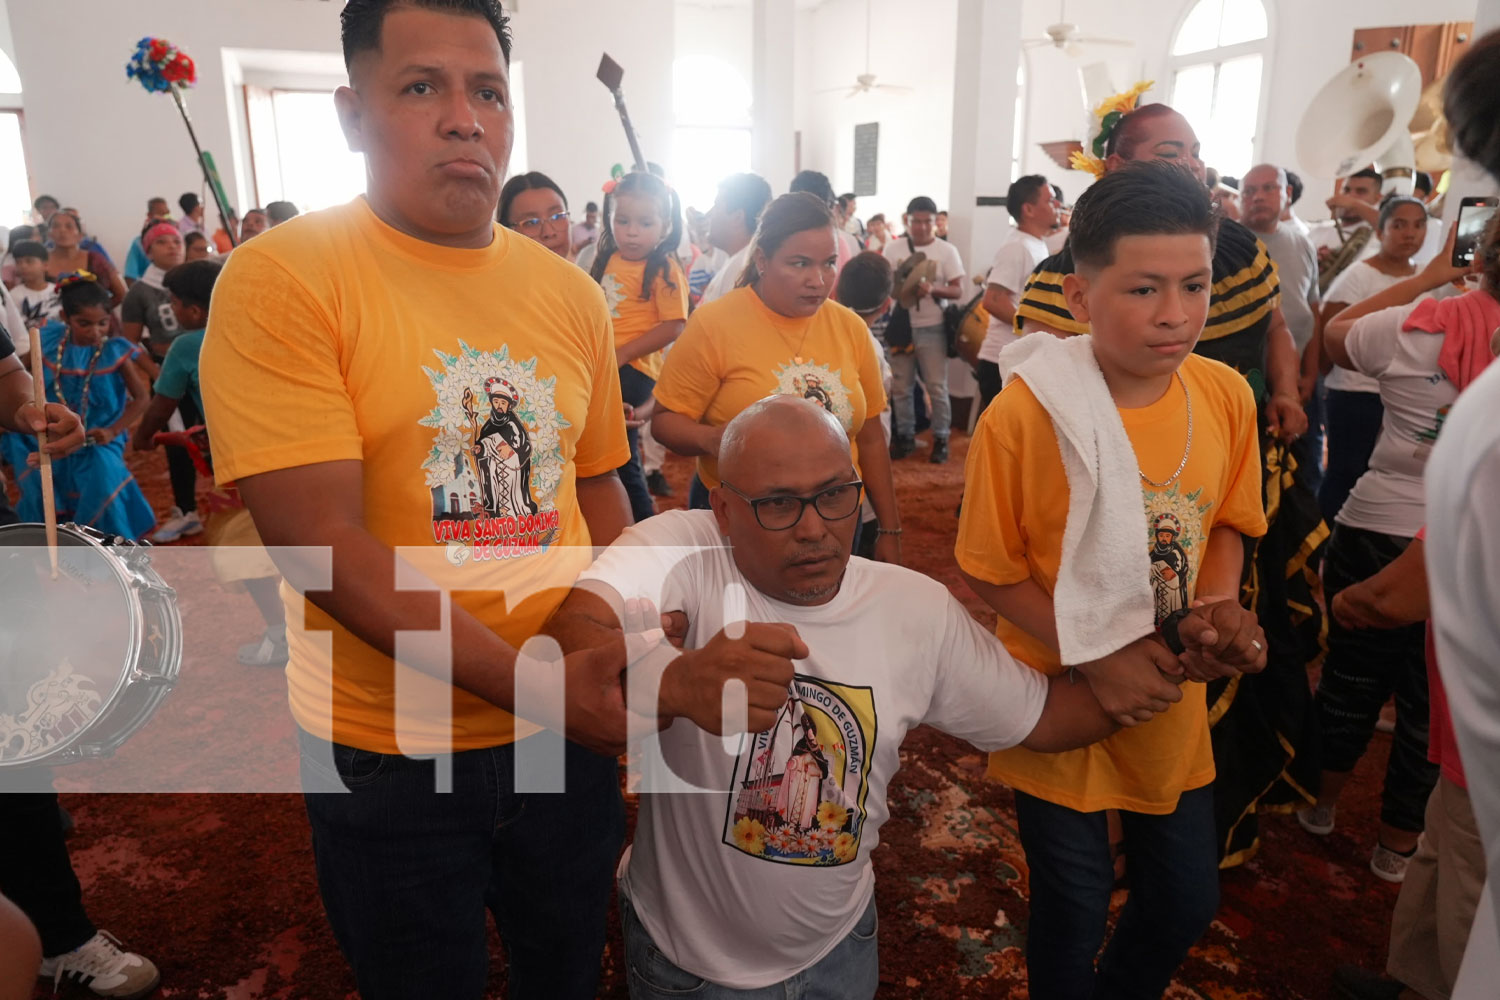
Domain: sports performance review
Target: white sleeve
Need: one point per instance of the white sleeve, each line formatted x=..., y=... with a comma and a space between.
x=14, y=322
x=659, y=560
x=953, y=264
x=1350, y=286
x=980, y=693
x=1012, y=267
x=1371, y=344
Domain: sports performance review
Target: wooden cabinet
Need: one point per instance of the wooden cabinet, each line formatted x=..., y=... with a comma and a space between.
x=1433, y=47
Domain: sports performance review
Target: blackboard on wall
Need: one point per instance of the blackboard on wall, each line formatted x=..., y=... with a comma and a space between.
x=866, y=158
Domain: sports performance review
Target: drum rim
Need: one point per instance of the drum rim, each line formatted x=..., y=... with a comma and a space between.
x=126, y=666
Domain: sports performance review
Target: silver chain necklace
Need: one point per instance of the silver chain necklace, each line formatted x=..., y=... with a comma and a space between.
x=1187, y=449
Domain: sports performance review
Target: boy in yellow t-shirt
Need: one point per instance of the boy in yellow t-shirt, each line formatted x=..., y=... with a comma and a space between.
x=1143, y=240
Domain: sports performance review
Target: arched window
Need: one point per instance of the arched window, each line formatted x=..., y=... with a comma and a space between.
x=711, y=102
x=1218, y=65
x=15, y=188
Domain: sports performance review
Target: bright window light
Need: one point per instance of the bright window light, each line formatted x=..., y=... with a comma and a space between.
x=314, y=167
x=1218, y=59
x=15, y=191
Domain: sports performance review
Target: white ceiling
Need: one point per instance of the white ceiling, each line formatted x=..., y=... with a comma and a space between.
x=801, y=4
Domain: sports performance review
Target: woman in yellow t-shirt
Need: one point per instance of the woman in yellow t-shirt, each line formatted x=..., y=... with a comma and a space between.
x=647, y=294
x=778, y=333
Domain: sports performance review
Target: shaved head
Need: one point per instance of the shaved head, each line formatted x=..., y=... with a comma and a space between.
x=765, y=424
x=780, y=450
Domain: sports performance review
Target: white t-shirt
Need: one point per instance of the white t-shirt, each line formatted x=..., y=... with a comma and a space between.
x=760, y=873
x=949, y=266
x=1389, y=497
x=1463, y=573
x=1057, y=240
x=725, y=279
x=1359, y=281
x=38, y=306
x=1017, y=257
x=707, y=265
x=1297, y=269
x=1432, y=243
x=14, y=322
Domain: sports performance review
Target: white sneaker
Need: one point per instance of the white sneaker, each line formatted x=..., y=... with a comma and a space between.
x=270, y=651
x=177, y=526
x=1317, y=820
x=101, y=966
x=1389, y=865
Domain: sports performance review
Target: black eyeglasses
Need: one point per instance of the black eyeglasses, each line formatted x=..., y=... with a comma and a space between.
x=532, y=223
x=780, y=512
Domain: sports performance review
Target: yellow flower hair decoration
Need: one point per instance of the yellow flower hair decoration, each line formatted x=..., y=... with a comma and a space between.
x=1110, y=112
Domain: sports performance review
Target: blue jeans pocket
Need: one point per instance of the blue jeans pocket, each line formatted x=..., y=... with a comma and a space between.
x=868, y=926
x=654, y=974
x=335, y=767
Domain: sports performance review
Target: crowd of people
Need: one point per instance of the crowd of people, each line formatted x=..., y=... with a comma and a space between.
x=1199, y=471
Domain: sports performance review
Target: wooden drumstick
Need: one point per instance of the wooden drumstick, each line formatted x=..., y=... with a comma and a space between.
x=49, y=502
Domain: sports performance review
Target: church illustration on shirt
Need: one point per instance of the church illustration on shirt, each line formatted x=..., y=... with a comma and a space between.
x=799, y=787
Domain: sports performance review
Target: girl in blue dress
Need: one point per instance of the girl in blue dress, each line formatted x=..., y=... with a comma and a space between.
x=94, y=375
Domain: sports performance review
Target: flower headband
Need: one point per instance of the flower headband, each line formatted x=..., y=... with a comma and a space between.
x=75, y=278
x=1110, y=112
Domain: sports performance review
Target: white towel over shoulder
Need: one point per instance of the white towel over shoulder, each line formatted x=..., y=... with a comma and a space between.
x=1103, y=598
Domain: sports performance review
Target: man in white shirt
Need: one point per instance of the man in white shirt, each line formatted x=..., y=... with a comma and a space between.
x=1033, y=205
x=928, y=350
x=1265, y=193
x=1356, y=208
x=751, y=862
x=731, y=227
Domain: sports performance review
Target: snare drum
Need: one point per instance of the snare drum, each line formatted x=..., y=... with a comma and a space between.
x=86, y=658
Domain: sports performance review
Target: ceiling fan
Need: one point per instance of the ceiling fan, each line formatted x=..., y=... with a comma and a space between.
x=1068, y=37
x=865, y=82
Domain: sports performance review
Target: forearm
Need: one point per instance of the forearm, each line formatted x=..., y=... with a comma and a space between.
x=133, y=412
x=157, y=415
x=1000, y=303
x=952, y=290
x=605, y=507
x=875, y=470
x=652, y=340
x=1025, y=605
x=1399, y=294
x=684, y=435
x=16, y=391
x=1223, y=565
x=1071, y=718
x=1400, y=589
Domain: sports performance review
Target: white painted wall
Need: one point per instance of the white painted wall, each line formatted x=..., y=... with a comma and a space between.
x=1310, y=42
x=573, y=133
x=96, y=139
x=909, y=47
x=720, y=32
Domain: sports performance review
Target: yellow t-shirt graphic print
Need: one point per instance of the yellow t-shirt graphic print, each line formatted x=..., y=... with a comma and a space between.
x=474, y=387
x=496, y=461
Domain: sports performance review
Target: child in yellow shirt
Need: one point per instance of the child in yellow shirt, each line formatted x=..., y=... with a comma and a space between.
x=1143, y=239
x=647, y=293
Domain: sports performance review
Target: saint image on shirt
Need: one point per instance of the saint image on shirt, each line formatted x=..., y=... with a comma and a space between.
x=812, y=388
x=799, y=786
x=502, y=451
x=1169, y=566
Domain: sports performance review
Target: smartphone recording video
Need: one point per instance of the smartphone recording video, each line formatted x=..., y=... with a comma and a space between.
x=1474, y=215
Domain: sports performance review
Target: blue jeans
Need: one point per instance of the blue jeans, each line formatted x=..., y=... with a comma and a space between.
x=930, y=355
x=406, y=874
x=1174, y=893
x=851, y=971
x=635, y=389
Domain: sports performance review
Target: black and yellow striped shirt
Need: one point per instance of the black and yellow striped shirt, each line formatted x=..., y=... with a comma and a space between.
x=1245, y=290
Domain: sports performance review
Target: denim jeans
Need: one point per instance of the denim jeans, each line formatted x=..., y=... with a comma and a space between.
x=1353, y=420
x=35, y=870
x=406, y=874
x=1174, y=893
x=851, y=971
x=930, y=355
x=635, y=389
x=1364, y=668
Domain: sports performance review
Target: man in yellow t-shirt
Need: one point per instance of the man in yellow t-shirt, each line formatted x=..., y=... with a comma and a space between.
x=1143, y=240
x=400, y=378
